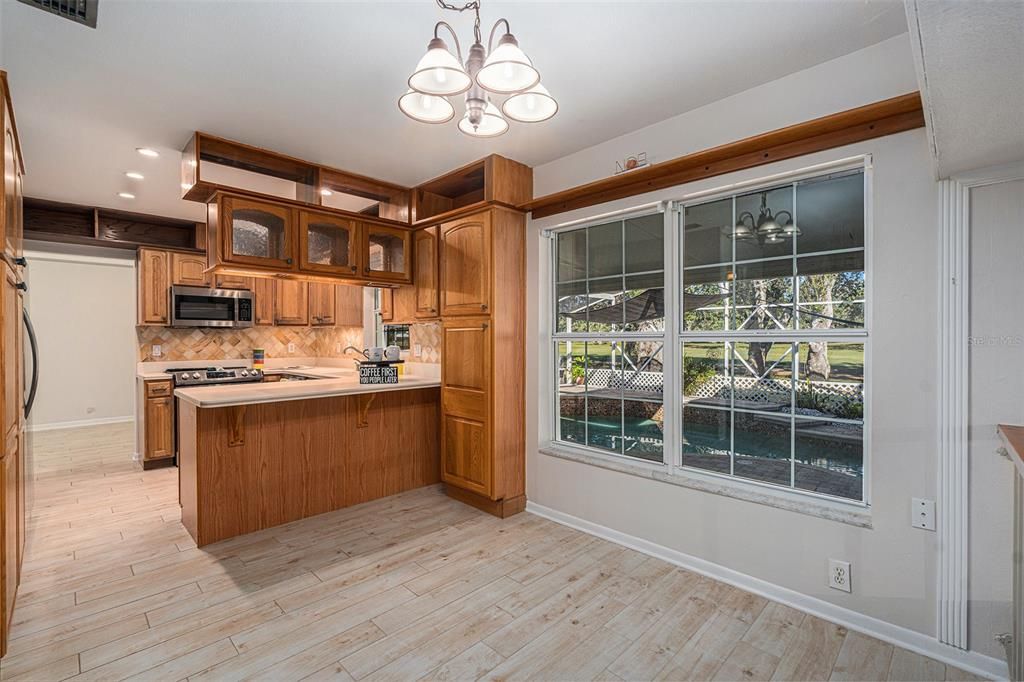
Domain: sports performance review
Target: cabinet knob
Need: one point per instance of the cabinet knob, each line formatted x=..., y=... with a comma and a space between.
x=288, y=261
x=483, y=306
x=354, y=268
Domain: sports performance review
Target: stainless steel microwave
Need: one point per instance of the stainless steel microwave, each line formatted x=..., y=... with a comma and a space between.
x=202, y=307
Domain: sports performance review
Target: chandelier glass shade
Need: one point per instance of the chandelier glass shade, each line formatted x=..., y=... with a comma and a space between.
x=439, y=72
x=532, y=106
x=491, y=123
x=507, y=69
x=426, y=108
x=504, y=71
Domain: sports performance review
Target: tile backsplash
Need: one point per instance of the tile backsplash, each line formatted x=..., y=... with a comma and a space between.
x=427, y=336
x=237, y=344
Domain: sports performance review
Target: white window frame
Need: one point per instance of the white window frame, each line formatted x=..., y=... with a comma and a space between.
x=673, y=337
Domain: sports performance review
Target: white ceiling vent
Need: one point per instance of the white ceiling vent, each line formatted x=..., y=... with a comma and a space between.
x=78, y=11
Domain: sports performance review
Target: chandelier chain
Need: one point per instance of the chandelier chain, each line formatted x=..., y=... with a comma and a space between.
x=473, y=5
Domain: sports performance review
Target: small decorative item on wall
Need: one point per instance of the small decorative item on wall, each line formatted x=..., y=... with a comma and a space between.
x=631, y=163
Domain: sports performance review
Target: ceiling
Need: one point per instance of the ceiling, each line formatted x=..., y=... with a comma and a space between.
x=320, y=80
x=970, y=62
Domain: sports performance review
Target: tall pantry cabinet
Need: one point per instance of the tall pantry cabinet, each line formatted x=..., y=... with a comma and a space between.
x=13, y=473
x=482, y=275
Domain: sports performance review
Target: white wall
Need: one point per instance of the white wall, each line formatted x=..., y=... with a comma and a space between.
x=82, y=305
x=893, y=564
x=996, y=396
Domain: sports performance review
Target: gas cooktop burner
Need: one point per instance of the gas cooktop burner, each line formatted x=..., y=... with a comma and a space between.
x=199, y=376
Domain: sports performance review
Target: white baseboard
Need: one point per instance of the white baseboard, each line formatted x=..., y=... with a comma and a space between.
x=888, y=632
x=76, y=424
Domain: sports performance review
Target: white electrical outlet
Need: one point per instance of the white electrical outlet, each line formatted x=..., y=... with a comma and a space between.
x=839, y=575
x=417, y=350
x=922, y=513
x=158, y=350
x=291, y=347
x=337, y=348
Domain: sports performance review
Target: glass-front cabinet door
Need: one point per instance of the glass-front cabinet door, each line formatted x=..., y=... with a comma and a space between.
x=387, y=253
x=328, y=244
x=257, y=233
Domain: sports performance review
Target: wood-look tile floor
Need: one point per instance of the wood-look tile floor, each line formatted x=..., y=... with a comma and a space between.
x=413, y=586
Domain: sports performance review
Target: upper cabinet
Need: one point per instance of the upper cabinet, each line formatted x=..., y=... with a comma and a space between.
x=387, y=252
x=248, y=236
x=153, y=287
x=321, y=304
x=491, y=180
x=425, y=276
x=256, y=233
x=13, y=171
x=328, y=244
x=465, y=256
x=189, y=269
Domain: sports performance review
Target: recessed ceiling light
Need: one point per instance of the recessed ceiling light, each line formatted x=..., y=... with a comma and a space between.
x=135, y=176
x=326, y=192
x=126, y=195
x=146, y=151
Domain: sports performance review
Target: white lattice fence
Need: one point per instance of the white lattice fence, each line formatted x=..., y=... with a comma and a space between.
x=831, y=394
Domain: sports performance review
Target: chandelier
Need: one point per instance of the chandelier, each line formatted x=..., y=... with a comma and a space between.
x=502, y=70
x=766, y=227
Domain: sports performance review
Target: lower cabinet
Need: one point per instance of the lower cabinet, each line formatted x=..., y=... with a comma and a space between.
x=159, y=422
x=8, y=541
x=466, y=443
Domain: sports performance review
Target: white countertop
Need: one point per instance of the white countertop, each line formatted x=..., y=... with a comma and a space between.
x=341, y=382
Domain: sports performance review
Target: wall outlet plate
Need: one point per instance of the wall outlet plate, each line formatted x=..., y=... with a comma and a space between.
x=922, y=513
x=417, y=350
x=839, y=575
x=158, y=350
x=291, y=347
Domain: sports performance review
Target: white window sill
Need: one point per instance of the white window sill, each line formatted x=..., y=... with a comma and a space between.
x=853, y=515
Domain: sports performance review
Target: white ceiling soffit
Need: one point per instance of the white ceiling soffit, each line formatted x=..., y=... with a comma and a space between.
x=321, y=80
x=970, y=65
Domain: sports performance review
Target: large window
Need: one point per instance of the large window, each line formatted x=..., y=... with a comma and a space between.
x=768, y=335
x=610, y=317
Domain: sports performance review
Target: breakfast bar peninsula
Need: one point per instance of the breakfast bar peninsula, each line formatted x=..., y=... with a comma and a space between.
x=256, y=456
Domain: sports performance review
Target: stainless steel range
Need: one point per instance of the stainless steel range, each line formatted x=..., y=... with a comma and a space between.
x=202, y=376
x=213, y=376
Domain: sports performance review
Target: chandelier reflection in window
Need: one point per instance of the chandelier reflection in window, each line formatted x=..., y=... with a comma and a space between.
x=766, y=228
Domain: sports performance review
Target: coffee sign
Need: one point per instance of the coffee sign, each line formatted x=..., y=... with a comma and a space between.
x=378, y=374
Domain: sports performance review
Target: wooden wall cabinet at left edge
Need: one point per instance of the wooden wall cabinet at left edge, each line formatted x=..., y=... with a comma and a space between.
x=153, y=291
x=13, y=476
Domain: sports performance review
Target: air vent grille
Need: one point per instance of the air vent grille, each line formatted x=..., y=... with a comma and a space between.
x=78, y=11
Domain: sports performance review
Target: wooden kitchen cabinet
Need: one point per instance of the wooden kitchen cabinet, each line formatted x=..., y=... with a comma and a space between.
x=482, y=258
x=465, y=391
x=291, y=302
x=348, y=306
x=188, y=269
x=227, y=281
x=158, y=421
x=465, y=257
x=321, y=304
x=13, y=170
x=153, y=287
x=256, y=233
x=8, y=541
x=387, y=250
x=263, y=301
x=387, y=305
x=328, y=244
x=425, y=274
